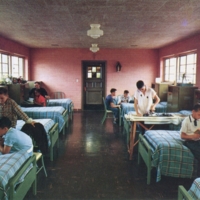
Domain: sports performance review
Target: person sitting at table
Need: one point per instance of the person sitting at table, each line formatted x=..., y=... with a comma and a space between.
x=190, y=132
x=111, y=104
x=143, y=99
x=125, y=98
x=39, y=99
x=13, y=140
x=43, y=92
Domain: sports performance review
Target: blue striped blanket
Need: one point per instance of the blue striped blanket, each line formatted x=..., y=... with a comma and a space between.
x=65, y=103
x=194, y=190
x=54, y=113
x=169, y=155
x=9, y=165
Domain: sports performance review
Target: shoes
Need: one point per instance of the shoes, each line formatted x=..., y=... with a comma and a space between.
x=115, y=121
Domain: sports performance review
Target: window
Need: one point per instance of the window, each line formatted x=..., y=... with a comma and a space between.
x=94, y=72
x=11, y=66
x=170, y=69
x=181, y=68
x=4, y=61
x=17, y=66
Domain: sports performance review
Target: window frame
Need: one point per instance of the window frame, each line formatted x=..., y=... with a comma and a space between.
x=10, y=71
x=181, y=75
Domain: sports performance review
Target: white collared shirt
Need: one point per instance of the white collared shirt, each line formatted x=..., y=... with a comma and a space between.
x=188, y=126
x=145, y=101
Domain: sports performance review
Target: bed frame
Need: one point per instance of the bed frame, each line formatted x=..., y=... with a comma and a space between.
x=66, y=119
x=183, y=193
x=54, y=137
x=30, y=180
x=144, y=151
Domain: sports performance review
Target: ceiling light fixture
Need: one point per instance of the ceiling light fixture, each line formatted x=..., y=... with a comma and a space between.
x=94, y=48
x=95, y=31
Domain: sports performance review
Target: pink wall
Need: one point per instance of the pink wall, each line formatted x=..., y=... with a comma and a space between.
x=14, y=48
x=59, y=69
x=187, y=45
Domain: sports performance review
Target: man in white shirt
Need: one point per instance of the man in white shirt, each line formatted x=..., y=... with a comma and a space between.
x=143, y=99
x=190, y=131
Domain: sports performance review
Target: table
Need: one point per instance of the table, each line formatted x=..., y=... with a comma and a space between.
x=128, y=107
x=152, y=120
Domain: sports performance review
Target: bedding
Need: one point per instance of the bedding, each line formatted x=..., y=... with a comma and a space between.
x=10, y=165
x=51, y=129
x=65, y=103
x=56, y=113
x=167, y=153
x=192, y=193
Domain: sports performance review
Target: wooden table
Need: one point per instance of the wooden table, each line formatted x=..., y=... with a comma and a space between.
x=152, y=120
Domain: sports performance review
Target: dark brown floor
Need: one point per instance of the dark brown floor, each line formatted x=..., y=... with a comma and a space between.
x=92, y=163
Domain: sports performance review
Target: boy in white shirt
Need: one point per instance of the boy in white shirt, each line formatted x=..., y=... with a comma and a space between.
x=143, y=99
x=190, y=131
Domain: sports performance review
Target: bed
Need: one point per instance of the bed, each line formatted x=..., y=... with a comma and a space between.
x=65, y=103
x=164, y=150
x=17, y=175
x=51, y=129
x=56, y=113
x=192, y=194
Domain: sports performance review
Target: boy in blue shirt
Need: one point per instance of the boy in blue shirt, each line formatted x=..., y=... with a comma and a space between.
x=111, y=104
x=13, y=140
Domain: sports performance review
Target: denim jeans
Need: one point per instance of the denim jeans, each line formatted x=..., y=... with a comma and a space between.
x=115, y=111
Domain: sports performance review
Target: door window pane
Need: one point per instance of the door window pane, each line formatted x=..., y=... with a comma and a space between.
x=94, y=72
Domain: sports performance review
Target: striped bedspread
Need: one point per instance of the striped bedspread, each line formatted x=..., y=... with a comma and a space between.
x=194, y=191
x=169, y=155
x=9, y=165
x=65, y=103
x=47, y=123
x=54, y=113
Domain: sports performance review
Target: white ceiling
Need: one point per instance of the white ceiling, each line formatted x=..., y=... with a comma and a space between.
x=126, y=23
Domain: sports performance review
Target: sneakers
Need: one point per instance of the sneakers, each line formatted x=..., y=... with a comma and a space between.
x=115, y=121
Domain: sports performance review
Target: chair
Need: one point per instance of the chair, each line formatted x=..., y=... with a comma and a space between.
x=106, y=112
x=58, y=95
x=39, y=157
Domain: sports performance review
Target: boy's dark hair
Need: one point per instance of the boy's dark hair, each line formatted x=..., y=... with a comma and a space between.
x=126, y=91
x=5, y=122
x=3, y=90
x=196, y=107
x=37, y=82
x=140, y=84
x=113, y=90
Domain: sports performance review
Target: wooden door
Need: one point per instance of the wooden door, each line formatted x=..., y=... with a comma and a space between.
x=93, y=84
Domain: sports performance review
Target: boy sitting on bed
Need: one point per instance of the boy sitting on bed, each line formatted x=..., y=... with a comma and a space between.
x=13, y=140
x=39, y=99
x=190, y=132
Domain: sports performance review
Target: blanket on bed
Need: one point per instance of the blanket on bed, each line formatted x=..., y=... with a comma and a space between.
x=169, y=155
x=54, y=113
x=194, y=191
x=9, y=165
x=65, y=103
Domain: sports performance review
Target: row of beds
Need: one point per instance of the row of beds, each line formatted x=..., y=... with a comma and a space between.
x=18, y=170
x=164, y=150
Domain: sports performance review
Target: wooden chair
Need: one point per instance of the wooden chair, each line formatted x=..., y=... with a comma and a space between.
x=39, y=157
x=106, y=112
x=58, y=95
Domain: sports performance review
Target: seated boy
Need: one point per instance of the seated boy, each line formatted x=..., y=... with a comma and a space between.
x=190, y=132
x=13, y=140
x=39, y=99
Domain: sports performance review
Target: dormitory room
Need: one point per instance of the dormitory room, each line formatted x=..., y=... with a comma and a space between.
x=99, y=99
